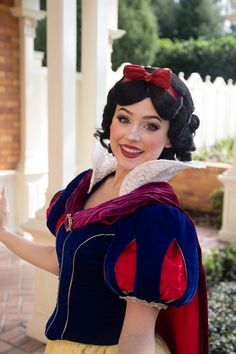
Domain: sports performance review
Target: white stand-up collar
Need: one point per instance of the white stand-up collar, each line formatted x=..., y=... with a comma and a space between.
x=147, y=172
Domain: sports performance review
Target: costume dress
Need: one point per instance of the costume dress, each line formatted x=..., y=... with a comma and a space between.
x=140, y=246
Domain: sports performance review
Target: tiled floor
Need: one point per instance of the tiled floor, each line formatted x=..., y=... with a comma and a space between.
x=16, y=298
x=16, y=303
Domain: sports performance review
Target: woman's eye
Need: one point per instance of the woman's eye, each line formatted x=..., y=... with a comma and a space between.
x=123, y=120
x=152, y=127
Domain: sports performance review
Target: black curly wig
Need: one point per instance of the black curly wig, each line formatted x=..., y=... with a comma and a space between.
x=179, y=112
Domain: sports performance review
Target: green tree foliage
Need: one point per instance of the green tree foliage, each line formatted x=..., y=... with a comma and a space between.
x=139, y=44
x=198, y=18
x=43, y=5
x=40, y=40
x=165, y=12
x=215, y=57
x=78, y=38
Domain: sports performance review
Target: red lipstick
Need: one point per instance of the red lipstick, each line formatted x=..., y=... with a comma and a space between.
x=130, y=151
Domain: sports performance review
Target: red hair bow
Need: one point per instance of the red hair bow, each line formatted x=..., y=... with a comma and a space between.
x=160, y=77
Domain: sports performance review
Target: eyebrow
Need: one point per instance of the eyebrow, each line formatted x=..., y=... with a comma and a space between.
x=145, y=117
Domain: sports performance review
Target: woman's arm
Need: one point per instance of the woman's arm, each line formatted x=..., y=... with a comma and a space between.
x=42, y=256
x=138, y=331
x=39, y=255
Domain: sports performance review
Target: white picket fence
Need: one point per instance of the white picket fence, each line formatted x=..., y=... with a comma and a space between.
x=215, y=105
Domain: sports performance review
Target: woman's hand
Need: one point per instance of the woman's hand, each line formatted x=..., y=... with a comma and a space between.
x=42, y=256
x=4, y=209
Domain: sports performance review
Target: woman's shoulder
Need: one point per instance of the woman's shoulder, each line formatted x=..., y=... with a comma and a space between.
x=56, y=209
x=156, y=214
x=73, y=183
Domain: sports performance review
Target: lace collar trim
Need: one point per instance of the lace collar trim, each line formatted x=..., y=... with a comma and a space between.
x=147, y=172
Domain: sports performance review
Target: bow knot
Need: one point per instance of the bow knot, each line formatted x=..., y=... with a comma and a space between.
x=160, y=77
x=148, y=77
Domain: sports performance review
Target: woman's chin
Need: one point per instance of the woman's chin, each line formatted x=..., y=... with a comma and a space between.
x=129, y=165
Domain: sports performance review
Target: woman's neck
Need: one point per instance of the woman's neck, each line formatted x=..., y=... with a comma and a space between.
x=118, y=178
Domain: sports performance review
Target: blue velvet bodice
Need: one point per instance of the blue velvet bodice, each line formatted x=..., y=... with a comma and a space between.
x=89, y=306
x=87, y=310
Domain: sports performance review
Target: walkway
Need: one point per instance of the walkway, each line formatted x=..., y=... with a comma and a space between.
x=17, y=293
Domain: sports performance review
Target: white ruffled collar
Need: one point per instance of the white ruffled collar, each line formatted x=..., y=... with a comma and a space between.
x=147, y=172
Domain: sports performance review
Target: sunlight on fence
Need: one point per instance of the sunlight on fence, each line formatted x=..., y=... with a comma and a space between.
x=216, y=107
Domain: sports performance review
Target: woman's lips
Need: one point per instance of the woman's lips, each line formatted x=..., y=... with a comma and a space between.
x=130, y=151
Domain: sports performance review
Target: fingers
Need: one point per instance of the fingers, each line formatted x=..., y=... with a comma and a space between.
x=3, y=197
x=4, y=207
x=3, y=194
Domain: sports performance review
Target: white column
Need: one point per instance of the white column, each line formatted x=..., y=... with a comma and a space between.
x=61, y=59
x=61, y=48
x=31, y=169
x=228, y=178
x=99, y=28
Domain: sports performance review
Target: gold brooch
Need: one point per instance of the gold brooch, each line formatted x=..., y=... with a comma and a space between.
x=68, y=222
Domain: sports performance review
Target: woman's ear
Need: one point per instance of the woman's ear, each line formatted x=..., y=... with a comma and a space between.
x=168, y=144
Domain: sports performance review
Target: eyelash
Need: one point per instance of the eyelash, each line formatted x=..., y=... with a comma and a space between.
x=122, y=118
x=149, y=126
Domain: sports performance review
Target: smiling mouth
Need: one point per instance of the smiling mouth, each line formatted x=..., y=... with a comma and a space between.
x=130, y=152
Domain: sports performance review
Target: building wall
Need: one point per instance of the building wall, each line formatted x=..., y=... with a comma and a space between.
x=194, y=187
x=9, y=88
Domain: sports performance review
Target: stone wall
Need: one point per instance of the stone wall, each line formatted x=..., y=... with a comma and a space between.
x=194, y=187
x=9, y=88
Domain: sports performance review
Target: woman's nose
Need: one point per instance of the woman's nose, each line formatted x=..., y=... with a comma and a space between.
x=134, y=133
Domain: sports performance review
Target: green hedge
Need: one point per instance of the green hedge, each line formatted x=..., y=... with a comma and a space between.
x=221, y=151
x=220, y=267
x=215, y=57
x=222, y=318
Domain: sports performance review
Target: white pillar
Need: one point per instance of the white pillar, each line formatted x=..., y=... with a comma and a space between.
x=61, y=59
x=99, y=28
x=31, y=169
x=228, y=178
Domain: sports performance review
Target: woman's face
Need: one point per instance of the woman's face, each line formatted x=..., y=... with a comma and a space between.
x=137, y=134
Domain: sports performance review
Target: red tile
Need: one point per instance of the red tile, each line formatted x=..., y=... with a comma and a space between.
x=18, y=317
x=12, y=333
x=27, y=307
x=10, y=325
x=16, y=351
x=30, y=345
x=40, y=350
x=4, y=347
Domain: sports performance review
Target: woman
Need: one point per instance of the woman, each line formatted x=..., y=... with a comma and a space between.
x=129, y=264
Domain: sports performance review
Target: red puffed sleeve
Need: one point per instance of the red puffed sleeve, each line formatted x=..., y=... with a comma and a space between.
x=154, y=257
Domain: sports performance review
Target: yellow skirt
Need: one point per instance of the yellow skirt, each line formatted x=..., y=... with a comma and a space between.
x=67, y=347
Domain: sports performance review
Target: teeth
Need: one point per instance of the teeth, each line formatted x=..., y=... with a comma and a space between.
x=131, y=151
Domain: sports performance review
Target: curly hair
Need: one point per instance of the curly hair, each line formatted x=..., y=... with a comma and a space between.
x=179, y=112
